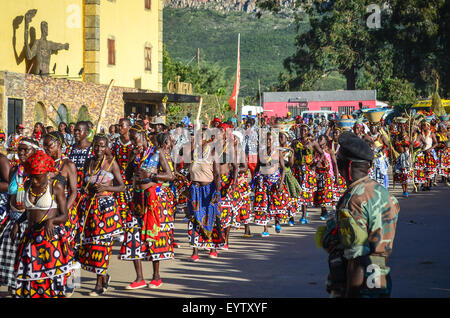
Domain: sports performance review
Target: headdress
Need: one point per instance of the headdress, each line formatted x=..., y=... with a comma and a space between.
x=39, y=163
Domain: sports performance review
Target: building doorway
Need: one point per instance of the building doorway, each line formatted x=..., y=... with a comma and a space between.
x=15, y=114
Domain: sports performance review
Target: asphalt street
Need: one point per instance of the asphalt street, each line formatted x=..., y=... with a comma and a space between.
x=289, y=265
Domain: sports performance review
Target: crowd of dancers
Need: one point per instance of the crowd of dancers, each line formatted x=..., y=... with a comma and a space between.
x=66, y=195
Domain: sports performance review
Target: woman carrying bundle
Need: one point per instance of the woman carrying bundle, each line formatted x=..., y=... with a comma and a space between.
x=291, y=182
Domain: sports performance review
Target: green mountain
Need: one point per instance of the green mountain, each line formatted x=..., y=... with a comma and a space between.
x=265, y=43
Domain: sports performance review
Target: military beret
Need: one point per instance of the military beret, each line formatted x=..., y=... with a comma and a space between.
x=354, y=148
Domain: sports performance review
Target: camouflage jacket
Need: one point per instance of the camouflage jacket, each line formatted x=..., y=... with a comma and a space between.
x=373, y=214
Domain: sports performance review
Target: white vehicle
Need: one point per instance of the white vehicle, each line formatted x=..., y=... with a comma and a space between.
x=317, y=114
x=253, y=110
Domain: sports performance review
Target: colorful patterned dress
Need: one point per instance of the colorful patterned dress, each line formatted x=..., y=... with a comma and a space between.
x=324, y=195
x=121, y=153
x=443, y=164
x=292, y=185
x=402, y=166
x=43, y=264
x=305, y=173
x=340, y=186
x=426, y=163
x=78, y=157
x=8, y=247
x=102, y=222
x=149, y=226
x=205, y=226
x=270, y=203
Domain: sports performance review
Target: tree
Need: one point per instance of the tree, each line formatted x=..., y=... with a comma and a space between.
x=412, y=28
x=444, y=48
x=412, y=40
x=396, y=92
x=207, y=79
x=337, y=40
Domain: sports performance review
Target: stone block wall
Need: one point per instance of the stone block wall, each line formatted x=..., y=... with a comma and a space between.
x=52, y=92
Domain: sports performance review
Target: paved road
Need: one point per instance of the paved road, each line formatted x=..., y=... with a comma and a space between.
x=289, y=265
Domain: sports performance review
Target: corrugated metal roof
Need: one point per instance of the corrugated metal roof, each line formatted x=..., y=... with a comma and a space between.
x=319, y=96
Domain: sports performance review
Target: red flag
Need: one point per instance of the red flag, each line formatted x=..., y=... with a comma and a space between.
x=234, y=96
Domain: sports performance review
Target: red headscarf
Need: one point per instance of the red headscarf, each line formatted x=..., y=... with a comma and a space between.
x=39, y=163
x=225, y=126
x=215, y=120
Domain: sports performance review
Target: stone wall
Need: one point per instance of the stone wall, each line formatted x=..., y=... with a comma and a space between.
x=52, y=92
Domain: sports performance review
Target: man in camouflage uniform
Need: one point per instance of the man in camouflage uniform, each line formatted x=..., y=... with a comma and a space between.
x=359, y=238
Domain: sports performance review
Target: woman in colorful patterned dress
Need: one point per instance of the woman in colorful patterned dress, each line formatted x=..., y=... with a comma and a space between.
x=291, y=182
x=204, y=226
x=271, y=195
x=167, y=191
x=426, y=160
x=121, y=149
x=229, y=171
x=66, y=173
x=402, y=166
x=443, y=164
x=304, y=168
x=242, y=200
x=78, y=153
x=326, y=174
x=5, y=167
x=16, y=192
x=44, y=257
x=101, y=220
x=148, y=225
x=339, y=185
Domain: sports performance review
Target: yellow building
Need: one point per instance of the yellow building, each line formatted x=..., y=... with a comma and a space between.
x=91, y=41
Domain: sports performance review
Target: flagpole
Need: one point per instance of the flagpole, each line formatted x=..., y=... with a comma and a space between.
x=238, y=69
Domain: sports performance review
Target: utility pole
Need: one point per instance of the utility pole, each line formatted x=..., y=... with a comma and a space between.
x=259, y=91
x=198, y=57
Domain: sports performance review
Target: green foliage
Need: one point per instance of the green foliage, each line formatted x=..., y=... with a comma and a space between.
x=396, y=92
x=265, y=43
x=336, y=40
x=207, y=79
x=414, y=40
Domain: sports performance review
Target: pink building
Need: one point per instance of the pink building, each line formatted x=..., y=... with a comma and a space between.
x=278, y=104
